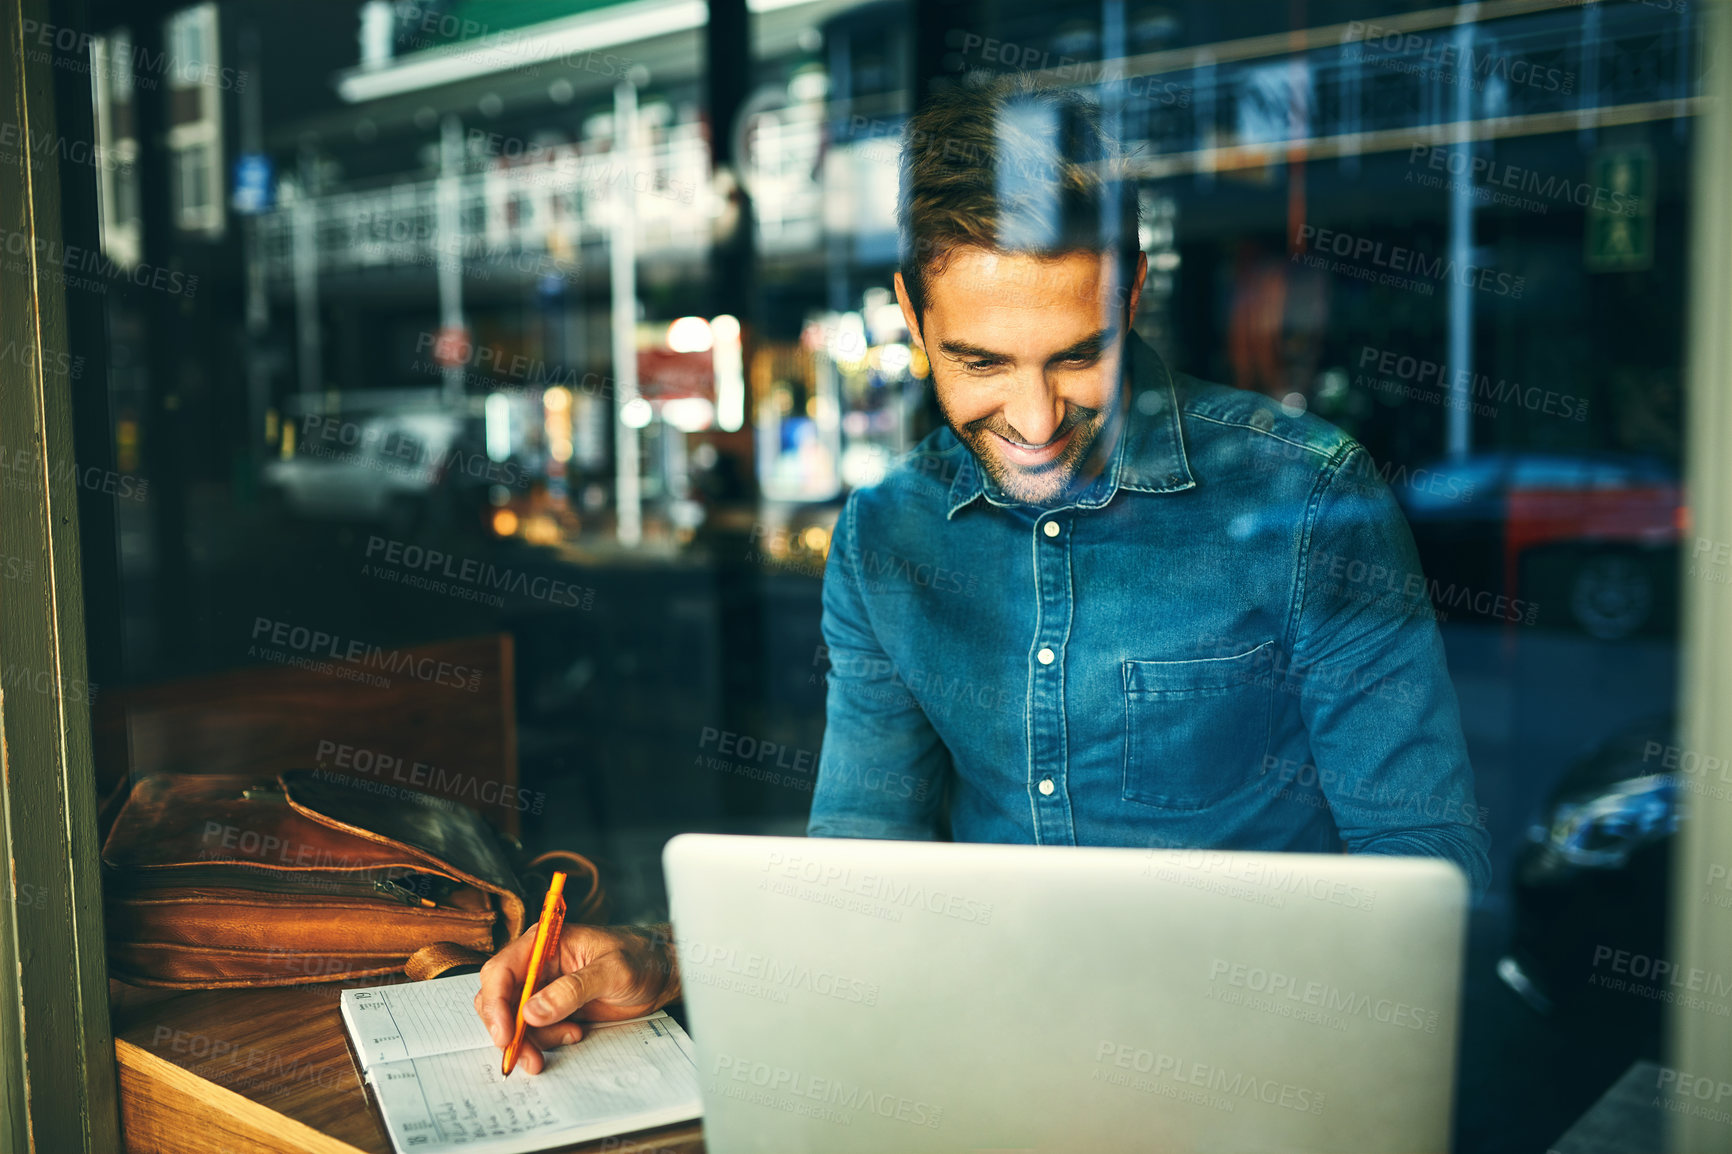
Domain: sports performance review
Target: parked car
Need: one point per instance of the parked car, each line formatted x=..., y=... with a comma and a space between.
x=1588, y=936
x=1585, y=541
x=394, y=469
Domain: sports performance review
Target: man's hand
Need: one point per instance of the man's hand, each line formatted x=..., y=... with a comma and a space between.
x=602, y=974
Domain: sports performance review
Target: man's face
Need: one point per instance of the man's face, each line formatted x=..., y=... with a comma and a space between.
x=1026, y=356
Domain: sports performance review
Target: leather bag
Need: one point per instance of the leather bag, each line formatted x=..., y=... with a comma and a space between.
x=221, y=881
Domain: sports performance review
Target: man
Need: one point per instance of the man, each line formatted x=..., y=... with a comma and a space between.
x=1105, y=604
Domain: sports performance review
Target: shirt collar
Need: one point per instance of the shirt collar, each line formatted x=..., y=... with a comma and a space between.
x=1150, y=455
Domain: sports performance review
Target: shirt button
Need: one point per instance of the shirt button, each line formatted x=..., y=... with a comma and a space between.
x=1052, y=529
x=1044, y=656
x=1046, y=787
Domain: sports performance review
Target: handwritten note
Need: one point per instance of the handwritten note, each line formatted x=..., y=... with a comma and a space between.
x=435, y=1075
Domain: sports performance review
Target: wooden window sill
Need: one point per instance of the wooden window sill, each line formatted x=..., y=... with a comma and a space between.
x=233, y=1071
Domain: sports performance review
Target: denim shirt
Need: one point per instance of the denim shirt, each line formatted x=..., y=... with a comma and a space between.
x=1223, y=641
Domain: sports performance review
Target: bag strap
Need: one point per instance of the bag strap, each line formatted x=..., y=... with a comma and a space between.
x=442, y=957
x=593, y=906
x=431, y=961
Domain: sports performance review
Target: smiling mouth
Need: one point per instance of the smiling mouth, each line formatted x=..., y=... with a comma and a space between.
x=1019, y=450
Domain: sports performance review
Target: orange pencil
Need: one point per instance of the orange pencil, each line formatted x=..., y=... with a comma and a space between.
x=546, y=944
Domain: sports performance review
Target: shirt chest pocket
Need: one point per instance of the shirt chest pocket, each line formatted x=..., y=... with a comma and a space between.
x=1195, y=731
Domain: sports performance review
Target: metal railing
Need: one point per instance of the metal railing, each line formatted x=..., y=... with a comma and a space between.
x=532, y=215
x=1538, y=66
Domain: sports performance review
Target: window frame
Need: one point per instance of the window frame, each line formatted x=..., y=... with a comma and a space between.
x=58, y=1085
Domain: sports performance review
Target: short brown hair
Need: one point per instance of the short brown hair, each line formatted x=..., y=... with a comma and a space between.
x=1005, y=165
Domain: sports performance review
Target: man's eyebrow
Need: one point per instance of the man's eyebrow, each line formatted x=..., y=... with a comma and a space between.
x=1089, y=346
x=964, y=349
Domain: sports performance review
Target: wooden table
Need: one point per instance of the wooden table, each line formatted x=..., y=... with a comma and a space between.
x=231, y=1071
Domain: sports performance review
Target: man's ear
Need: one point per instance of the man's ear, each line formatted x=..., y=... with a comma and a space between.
x=1137, y=279
x=908, y=317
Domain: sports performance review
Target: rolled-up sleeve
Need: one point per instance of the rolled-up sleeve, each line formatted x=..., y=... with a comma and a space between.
x=882, y=768
x=1374, y=689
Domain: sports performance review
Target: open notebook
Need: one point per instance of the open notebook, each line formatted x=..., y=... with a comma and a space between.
x=436, y=1075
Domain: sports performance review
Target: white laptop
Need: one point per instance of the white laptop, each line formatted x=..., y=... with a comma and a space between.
x=876, y=996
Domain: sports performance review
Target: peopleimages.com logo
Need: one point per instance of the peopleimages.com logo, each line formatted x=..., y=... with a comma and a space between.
x=1233, y=1086
x=1441, y=58
x=328, y=652
x=1362, y=257
x=421, y=567
x=1460, y=388
x=1277, y=985
x=828, y=1099
x=1488, y=178
x=63, y=263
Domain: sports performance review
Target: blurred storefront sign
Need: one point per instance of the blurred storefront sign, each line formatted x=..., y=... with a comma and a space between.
x=255, y=187
x=664, y=375
x=451, y=347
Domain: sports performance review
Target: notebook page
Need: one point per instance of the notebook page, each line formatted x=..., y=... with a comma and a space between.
x=391, y=1023
x=620, y=1077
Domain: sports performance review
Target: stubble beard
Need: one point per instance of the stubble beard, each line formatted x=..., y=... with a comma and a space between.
x=1032, y=484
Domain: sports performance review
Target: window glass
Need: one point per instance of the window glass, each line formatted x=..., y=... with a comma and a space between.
x=511, y=335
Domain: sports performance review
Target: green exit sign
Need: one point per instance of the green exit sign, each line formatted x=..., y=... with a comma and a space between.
x=1620, y=227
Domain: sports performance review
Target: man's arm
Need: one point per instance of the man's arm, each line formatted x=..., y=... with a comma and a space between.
x=882, y=767
x=1374, y=689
